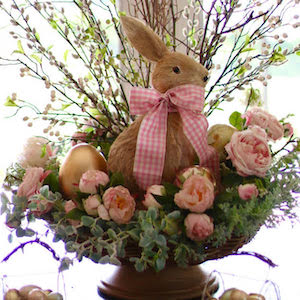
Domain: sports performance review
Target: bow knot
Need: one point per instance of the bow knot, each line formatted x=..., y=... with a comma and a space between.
x=188, y=100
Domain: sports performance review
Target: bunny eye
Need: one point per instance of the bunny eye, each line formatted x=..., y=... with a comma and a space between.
x=176, y=70
x=205, y=78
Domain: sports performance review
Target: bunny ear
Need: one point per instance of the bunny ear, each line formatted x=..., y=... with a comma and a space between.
x=144, y=39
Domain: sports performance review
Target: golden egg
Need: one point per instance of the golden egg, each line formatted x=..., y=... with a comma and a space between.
x=218, y=136
x=25, y=290
x=55, y=296
x=12, y=294
x=80, y=158
x=253, y=296
x=234, y=294
x=37, y=294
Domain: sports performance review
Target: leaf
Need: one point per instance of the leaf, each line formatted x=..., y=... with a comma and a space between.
x=37, y=58
x=236, y=120
x=247, y=49
x=10, y=102
x=65, y=264
x=20, y=47
x=116, y=179
x=66, y=55
x=104, y=260
x=160, y=263
x=171, y=189
x=87, y=221
x=97, y=231
x=111, y=234
x=298, y=53
x=44, y=190
x=64, y=106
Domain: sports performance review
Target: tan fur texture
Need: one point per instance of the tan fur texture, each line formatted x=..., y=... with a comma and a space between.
x=179, y=152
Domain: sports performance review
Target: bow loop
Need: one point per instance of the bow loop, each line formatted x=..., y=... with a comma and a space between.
x=150, y=152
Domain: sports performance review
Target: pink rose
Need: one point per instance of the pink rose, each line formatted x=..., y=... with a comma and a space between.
x=43, y=205
x=249, y=152
x=32, y=182
x=263, y=119
x=91, y=205
x=198, y=226
x=91, y=179
x=197, y=194
x=288, y=130
x=156, y=190
x=247, y=191
x=33, y=154
x=186, y=173
x=119, y=204
x=70, y=205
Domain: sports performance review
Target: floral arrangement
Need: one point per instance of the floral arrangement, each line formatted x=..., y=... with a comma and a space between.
x=101, y=219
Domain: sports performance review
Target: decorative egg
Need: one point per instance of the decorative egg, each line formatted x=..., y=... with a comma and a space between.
x=234, y=294
x=25, y=290
x=80, y=158
x=55, y=296
x=253, y=296
x=37, y=294
x=218, y=136
x=12, y=294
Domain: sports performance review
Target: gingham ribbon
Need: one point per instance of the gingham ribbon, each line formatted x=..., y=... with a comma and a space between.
x=149, y=159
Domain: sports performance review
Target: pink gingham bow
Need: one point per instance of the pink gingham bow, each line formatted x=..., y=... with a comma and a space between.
x=188, y=100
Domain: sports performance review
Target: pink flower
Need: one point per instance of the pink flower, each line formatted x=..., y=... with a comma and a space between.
x=36, y=153
x=32, y=182
x=78, y=137
x=156, y=190
x=91, y=179
x=103, y=213
x=247, y=191
x=249, y=152
x=263, y=119
x=197, y=194
x=186, y=173
x=198, y=226
x=288, y=130
x=91, y=205
x=119, y=204
x=43, y=205
x=70, y=205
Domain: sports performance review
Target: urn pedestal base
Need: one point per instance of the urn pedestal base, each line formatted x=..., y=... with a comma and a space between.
x=171, y=283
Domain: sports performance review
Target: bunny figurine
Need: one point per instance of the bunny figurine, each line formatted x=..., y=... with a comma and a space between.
x=170, y=132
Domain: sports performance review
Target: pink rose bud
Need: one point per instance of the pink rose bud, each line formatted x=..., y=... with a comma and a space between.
x=249, y=152
x=70, y=205
x=264, y=120
x=91, y=205
x=91, y=179
x=119, y=204
x=103, y=213
x=198, y=226
x=32, y=182
x=247, y=191
x=155, y=190
x=186, y=173
x=288, y=130
x=197, y=194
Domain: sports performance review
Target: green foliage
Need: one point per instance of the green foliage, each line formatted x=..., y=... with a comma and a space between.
x=236, y=120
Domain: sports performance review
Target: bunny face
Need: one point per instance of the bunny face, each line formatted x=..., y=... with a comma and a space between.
x=176, y=69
